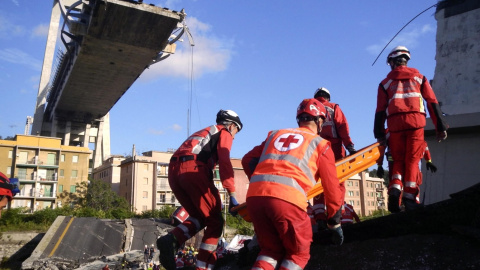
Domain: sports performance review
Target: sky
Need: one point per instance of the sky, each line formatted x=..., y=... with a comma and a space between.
x=258, y=58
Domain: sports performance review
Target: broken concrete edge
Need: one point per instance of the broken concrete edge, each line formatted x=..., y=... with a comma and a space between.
x=28, y=263
x=128, y=235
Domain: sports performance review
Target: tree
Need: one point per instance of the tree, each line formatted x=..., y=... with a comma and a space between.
x=99, y=195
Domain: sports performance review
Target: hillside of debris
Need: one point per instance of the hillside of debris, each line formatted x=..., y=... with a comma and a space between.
x=445, y=235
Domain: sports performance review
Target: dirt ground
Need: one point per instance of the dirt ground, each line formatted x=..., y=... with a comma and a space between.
x=445, y=235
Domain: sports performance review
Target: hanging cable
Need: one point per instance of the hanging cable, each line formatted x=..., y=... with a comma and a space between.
x=401, y=31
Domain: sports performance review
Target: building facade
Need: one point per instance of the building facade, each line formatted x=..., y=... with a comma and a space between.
x=143, y=180
x=366, y=194
x=45, y=169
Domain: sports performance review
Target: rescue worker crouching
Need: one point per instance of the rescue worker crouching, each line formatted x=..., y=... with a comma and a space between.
x=281, y=171
x=400, y=102
x=190, y=175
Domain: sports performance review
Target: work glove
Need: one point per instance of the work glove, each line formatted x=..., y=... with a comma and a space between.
x=337, y=234
x=232, y=204
x=351, y=149
x=441, y=135
x=382, y=140
x=431, y=167
x=381, y=172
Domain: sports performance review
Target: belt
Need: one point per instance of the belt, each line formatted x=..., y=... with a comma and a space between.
x=182, y=158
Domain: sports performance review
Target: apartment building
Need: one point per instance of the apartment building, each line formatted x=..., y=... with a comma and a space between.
x=366, y=194
x=109, y=172
x=143, y=180
x=44, y=168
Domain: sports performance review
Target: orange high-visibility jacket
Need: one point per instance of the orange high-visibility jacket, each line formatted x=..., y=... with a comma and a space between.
x=291, y=162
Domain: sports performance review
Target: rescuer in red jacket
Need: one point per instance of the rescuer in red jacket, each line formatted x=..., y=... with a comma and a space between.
x=8, y=189
x=335, y=129
x=190, y=175
x=401, y=102
x=281, y=171
x=348, y=214
x=418, y=181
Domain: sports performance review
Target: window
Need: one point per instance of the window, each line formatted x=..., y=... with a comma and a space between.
x=62, y=158
x=358, y=193
x=61, y=172
x=10, y=154
x=350, y=193
x=145, y=181
x=75, y=159
x=73, y=188
x=145, y=167
x=9, y=170
x=349, y=183
x=145, y=194
x=144, y=208
x=356, y=184
x=60, y=188
x=74, y=173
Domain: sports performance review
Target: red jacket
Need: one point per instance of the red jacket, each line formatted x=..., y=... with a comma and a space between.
x=212, y=145
x=335, y=128
x=400, y=101
x=290, y=162
x=349, y=214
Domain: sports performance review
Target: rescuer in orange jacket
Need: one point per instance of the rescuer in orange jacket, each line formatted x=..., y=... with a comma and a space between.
x=8, y=190
x=190, y=175
x=400, y=102
x=281, y=171
x=348, y=214
x=335, y=129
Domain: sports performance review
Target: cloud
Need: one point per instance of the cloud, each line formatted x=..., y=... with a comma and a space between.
x=8, y=30
x=16, y=3
x=156, y=132
x=40, y=30
x=19, y=57
x=409, y=39
x=176, y=127
x=211, y=54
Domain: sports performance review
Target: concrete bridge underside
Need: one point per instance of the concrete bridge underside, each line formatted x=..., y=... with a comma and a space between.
x=109, y=43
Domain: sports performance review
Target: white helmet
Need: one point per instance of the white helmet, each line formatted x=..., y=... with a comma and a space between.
x=229, y=116
x=398, y=51
x=321, y=89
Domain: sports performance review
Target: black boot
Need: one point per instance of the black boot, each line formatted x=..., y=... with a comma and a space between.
x=394, y=200
x=167, y=245
x=411, y=205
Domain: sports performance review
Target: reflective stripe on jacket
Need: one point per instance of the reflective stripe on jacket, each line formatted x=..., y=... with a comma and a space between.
x=288, y=167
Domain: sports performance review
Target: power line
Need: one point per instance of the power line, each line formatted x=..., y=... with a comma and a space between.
x=401, y=31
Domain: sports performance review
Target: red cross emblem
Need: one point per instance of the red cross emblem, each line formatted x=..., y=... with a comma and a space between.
x=288, y=141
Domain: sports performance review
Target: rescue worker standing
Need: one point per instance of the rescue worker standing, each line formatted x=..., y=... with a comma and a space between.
x=400, y=102
x=190, y=175
x=335, y=129
x=281, y=171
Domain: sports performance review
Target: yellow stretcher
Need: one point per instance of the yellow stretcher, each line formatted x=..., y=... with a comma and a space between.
x=346, y=167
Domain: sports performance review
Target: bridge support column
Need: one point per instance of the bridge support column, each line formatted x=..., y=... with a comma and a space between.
x=68, y=130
